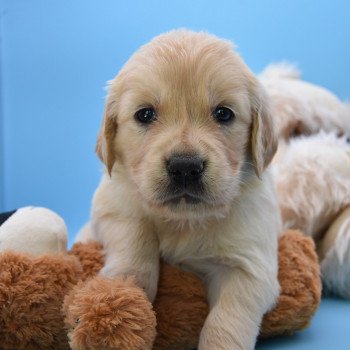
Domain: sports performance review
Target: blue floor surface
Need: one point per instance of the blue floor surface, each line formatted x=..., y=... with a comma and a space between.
x=329, y=330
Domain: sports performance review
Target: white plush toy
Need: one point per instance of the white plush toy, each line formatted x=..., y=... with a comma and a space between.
x=33, y=230
x=334, y=253
x=301, y=108
x=312, y=177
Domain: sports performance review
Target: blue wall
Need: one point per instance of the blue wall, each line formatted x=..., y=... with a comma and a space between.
x=57, y=55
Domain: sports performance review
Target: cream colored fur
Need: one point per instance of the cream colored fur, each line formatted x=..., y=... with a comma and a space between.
x=334, y=252
x=312, y=172
x=313, y=182
x=230, y=237
x=301, y=108
x=312, y=175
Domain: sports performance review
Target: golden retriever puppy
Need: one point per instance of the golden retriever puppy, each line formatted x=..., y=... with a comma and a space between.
x=186, y=139
x=301, y=108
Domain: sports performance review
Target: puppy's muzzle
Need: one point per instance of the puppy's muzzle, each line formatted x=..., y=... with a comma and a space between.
x=185, y=171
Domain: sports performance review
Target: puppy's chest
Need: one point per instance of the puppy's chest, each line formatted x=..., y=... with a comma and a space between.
x=198, y=250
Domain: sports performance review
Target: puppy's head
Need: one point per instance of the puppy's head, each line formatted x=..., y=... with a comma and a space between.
x=188, y=124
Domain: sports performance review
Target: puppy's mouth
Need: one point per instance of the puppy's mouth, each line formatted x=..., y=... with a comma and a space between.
x=174, y=196
x=184, y=198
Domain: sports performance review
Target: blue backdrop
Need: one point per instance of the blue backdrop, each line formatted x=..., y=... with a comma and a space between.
x=55, y=57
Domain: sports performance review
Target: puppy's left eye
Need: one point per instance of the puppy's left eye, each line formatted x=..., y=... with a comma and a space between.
x=223, y=114
x=145, y=115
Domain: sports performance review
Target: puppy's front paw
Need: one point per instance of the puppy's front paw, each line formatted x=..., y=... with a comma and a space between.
x=109, y=314
x=145, y=279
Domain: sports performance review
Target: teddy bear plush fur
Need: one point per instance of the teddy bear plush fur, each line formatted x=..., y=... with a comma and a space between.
x=104, y=314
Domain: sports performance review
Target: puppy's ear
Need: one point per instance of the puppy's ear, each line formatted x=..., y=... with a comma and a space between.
x=263, y=139
x=105, y=139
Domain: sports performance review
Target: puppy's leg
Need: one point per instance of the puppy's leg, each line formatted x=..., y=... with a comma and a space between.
x=131, y=248
x=334, y=253
x=238, y=300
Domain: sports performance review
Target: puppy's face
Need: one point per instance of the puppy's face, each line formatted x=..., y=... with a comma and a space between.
x=187, y=123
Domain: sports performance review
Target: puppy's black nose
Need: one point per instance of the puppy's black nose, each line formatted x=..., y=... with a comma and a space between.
x=185, y=169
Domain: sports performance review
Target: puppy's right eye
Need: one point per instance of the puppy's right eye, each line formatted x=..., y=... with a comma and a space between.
x=223, y=114
x=145, y=115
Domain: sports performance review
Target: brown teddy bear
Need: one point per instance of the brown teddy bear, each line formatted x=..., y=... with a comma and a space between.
x=105, y=314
